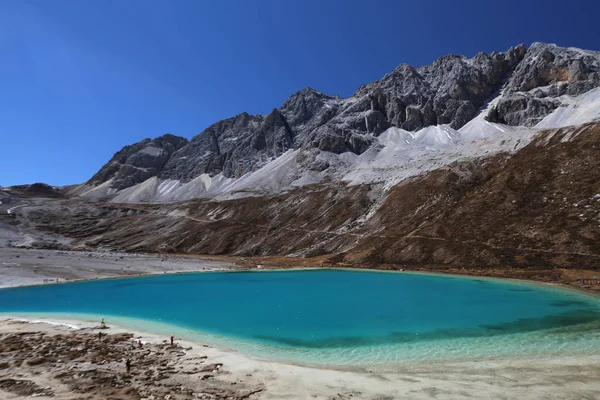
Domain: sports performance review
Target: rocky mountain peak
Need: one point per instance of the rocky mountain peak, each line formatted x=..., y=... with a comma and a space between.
x=303, y=105
x=449, y=91
x=308, y=92
x=545, y=73
x=525, y=83
x=137, y=162
x=547, y=64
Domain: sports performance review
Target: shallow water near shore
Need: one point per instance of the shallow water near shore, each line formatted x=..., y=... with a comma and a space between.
x=334, y=317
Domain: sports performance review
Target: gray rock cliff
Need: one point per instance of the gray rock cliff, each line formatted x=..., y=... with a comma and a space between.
x=137, y=162
x=546, y=72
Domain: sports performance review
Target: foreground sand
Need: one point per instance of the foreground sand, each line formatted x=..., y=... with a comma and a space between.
x=63, y=362
x=59, y=362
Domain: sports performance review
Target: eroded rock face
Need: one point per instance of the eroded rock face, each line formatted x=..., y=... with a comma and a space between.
x=308, y=109
x=449, y=91
x=233, y=146
x=546, y=72
x=135, y=163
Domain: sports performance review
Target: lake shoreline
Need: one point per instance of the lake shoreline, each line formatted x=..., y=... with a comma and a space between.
x=132, y=265
x=543, y=376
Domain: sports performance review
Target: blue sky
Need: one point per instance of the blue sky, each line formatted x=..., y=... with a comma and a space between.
x=79, y=79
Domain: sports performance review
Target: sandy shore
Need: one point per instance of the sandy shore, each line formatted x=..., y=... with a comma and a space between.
x=97, y=370
x=190, y=370
x=49, y=360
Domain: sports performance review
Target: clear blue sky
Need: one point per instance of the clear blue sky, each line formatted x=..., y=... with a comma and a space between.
x=79, y=79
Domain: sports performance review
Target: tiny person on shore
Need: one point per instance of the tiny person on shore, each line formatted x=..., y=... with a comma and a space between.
x=128, y=365
x=102, y=324
x=172, y=339
x=100, y=335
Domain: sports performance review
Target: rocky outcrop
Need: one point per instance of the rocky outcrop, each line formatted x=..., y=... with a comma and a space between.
x=309, y=109
x=546, y=72
x=34, y=190
x=233, y=146
x=243, y=143
x=450, y=91
x=136, y=163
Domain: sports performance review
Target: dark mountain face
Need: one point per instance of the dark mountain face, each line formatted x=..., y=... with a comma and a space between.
x=233, y=146
x=449, y=91
x=136, y=163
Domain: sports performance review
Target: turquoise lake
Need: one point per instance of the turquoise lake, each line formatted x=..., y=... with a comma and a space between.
x=334, y=317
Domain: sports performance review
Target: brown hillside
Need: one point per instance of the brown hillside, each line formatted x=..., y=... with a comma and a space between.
x=538, y=208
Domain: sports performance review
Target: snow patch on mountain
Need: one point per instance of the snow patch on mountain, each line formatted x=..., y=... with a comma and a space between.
x=403, y=156
x=574, y=111
x=99, y=192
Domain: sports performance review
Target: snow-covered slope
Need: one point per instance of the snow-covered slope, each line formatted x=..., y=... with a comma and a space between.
x=574, y=111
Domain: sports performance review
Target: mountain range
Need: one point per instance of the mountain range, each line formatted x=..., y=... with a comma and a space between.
x=450, y=103
x=479, y=164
